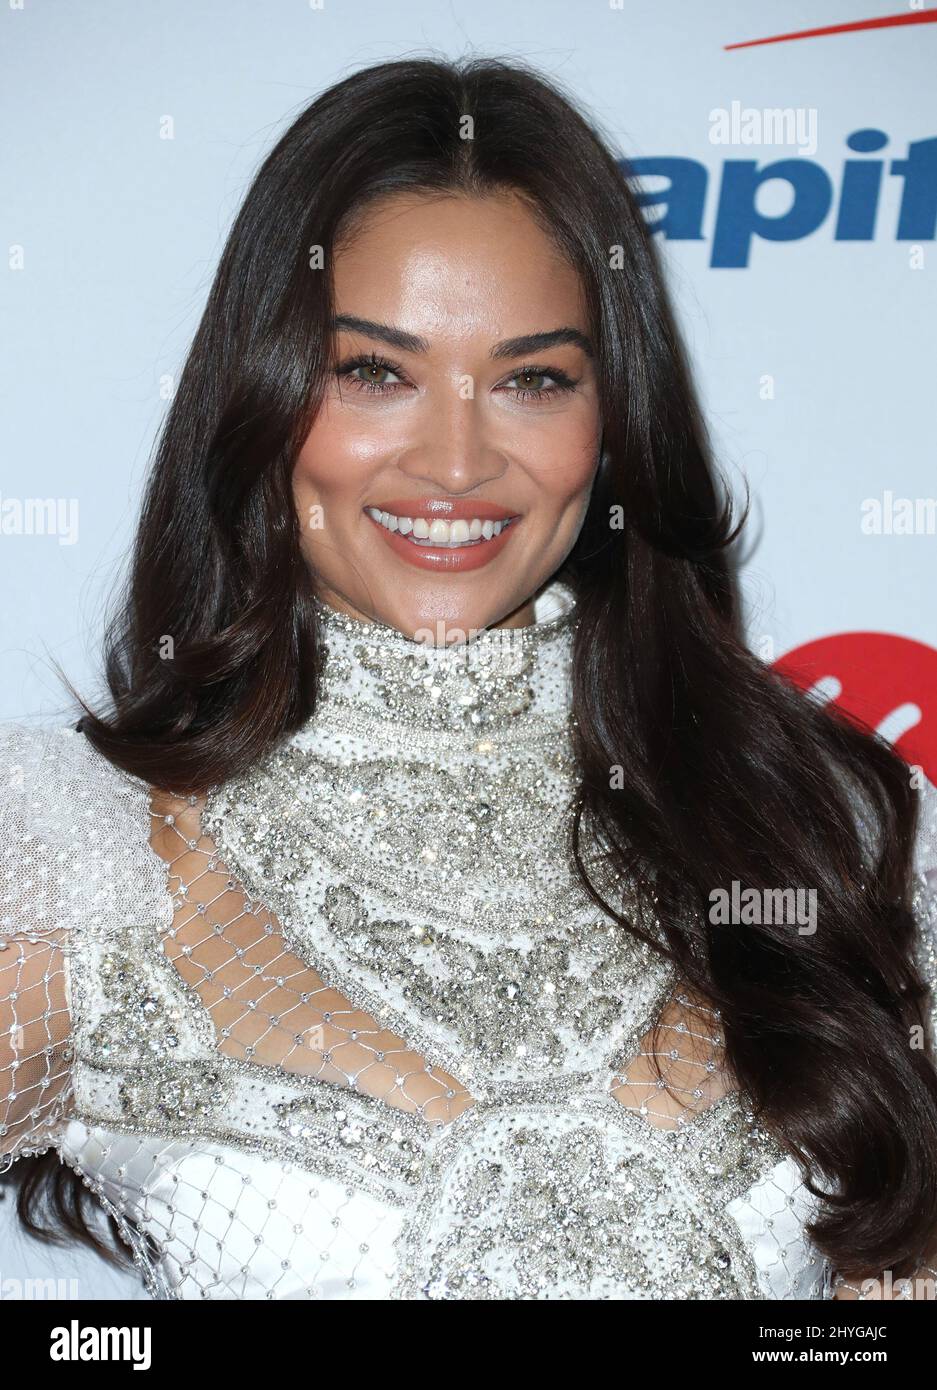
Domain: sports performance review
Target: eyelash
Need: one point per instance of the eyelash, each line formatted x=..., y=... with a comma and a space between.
x=564, y=382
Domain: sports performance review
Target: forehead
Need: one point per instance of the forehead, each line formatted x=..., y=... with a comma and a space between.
x=455, y=265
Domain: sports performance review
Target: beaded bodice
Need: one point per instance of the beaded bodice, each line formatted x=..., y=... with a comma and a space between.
x=350, y=1025
x=422, y=818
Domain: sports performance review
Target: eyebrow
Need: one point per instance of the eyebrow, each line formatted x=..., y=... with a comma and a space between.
x=510, y=347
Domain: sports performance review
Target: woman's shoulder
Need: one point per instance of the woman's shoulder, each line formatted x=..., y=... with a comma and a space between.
x=75, y=827
x=49, y=746
x=51, y=773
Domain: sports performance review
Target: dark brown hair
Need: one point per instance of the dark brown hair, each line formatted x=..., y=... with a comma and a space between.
x=728, y=771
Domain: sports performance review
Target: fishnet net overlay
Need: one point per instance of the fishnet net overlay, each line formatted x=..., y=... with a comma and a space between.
x=271, y=1008
x=680, y=1069
x=35, y=1056
x=267, y=1006
x=239, y=1227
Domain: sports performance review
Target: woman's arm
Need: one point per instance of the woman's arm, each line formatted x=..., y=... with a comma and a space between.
x=34, y=1044
x=35, y=1056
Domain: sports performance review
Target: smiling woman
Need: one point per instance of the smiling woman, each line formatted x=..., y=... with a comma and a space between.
x=362, y=947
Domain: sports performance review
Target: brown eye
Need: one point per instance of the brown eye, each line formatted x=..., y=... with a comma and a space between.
x=539, y=384
x=370, y=374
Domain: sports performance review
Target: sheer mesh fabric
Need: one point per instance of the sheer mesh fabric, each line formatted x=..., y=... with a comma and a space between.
x=35, y=1056
x=270, y=1008
x=34, y=1014
x=680, y=1070
x=267, y=1006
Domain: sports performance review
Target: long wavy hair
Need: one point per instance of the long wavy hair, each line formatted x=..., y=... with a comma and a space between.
x=727, y=771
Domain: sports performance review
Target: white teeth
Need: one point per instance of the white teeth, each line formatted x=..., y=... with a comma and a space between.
x=438, y=532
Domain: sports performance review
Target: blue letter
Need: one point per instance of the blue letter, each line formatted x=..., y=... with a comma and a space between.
x=738, y=220
x=917, y=220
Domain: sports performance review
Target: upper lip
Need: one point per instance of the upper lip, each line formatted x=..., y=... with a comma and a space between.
x=444, y=508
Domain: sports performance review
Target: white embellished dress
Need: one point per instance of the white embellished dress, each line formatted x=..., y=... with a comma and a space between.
x=349, y=1026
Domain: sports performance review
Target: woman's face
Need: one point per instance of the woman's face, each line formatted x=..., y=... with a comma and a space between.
x=440, y=412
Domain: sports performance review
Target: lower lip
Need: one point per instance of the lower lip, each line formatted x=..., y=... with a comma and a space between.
x=431, y=557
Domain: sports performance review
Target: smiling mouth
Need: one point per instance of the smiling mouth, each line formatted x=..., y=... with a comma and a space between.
x=441, y=535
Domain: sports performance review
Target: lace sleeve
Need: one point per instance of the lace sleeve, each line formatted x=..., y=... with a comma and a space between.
x=34, y=1005
x=924, y=906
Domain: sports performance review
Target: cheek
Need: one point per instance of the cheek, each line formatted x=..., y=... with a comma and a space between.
x=338, y=457
x=563, y=460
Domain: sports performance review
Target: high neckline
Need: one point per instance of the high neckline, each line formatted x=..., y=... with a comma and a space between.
x=498, y=680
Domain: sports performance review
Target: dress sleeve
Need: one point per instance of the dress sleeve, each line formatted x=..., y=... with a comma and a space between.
x=35, y=1052
x=924, y=901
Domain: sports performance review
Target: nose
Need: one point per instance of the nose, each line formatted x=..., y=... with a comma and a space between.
x=453, y=453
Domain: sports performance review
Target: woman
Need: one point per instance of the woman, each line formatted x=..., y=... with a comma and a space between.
x=365, y=946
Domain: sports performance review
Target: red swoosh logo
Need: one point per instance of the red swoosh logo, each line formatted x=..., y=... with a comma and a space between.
x=887, y=22
x=886, y=681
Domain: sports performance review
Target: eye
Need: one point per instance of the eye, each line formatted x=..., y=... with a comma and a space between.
x=375, y=372
x=532, y=387
x=375, y=375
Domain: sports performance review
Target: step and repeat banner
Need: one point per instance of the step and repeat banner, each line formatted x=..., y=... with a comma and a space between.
x=784, y=151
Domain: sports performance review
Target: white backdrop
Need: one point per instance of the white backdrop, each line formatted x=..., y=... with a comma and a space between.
x=808, y=303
